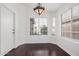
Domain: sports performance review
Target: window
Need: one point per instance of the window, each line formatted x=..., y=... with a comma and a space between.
x=38, y=26
x=53, y=26
x=70, y=25
x=66, y=24
x=75, y=29
x=75, y=22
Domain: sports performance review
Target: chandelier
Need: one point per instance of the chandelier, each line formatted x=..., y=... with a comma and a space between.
x=39, y=9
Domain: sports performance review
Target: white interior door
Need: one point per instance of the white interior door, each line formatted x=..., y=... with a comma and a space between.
x=7, y=41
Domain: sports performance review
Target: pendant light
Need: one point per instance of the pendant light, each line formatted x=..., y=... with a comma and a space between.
x=39, y=9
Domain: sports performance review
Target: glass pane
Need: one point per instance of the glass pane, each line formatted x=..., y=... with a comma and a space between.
x=75, y=10
x=66, y=16
x=63, y=18
x=36, y=26
x=75, y=29
x=75, y=26
x=53, y=22
x=43, y=26
x=63, y=34
x=32, y=23
x=66, y=34
x=75, y=35
x=53, y=25
x=66, y=27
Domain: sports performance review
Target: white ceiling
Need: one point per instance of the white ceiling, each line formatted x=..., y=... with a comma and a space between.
x=48, y=6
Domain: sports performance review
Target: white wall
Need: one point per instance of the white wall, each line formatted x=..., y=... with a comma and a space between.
x=22, y=25
x=69, y=45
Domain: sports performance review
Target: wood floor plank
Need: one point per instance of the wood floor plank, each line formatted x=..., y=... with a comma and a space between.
x=37, y=49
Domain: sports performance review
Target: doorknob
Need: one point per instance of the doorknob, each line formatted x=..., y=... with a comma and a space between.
x=13, y=31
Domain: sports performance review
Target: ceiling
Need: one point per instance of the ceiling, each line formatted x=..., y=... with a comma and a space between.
x=48, y=6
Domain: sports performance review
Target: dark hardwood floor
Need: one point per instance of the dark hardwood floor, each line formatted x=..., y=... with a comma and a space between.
x=40, y=49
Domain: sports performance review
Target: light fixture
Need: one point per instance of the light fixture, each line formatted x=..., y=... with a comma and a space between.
x=39, y=9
